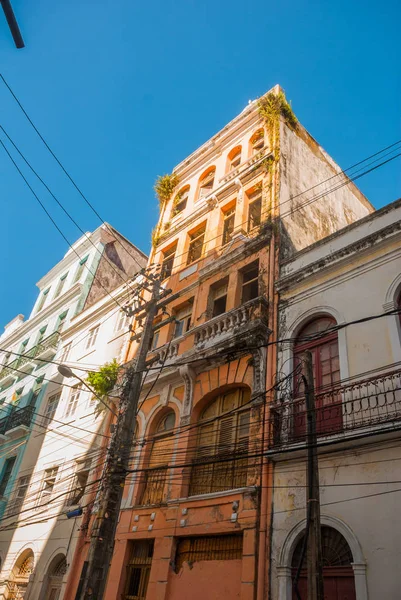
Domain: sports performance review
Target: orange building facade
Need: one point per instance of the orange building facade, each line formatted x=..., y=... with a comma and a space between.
x=196, y=515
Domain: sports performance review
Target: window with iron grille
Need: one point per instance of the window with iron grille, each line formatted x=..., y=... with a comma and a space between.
x=214, y=547
x=254, y=210
x=168, y=262
x=250, y=282
x=228, y=225
x=155, y=491
x=138, y=570
x=196, y=240
x=221, y=461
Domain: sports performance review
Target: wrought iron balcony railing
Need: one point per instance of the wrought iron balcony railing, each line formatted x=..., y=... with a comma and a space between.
x=21, y=416
x=47, y=345
x=361, y=404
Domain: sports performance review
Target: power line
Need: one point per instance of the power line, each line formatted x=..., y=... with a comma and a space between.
x=54, y=222
x=126, y=281
x=62, y=166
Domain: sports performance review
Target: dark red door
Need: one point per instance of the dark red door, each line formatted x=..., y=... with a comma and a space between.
x=339, y=584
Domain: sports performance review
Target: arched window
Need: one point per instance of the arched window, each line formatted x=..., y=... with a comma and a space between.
x=180, y=201
x=257, y=142
x=337, y=558
x=234, y=158
x=206, y=182
x=318, y=337
x=21, y=573
x=223, y=433
x=155, y=490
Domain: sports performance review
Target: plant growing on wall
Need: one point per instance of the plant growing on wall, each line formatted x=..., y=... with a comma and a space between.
x=272, y=106
x=165, y=186
x=155, y=236
x=103, y=381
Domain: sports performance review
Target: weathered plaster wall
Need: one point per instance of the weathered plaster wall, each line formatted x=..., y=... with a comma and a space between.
x=304, y=164
x=351, y=494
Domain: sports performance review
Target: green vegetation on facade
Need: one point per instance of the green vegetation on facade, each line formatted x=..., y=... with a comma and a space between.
x=165, y=186
x=272, y=106
x=103, y=381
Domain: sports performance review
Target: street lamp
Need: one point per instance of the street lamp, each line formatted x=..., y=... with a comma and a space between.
x=67, y=372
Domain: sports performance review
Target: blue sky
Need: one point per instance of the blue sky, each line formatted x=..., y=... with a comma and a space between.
x=124, y=90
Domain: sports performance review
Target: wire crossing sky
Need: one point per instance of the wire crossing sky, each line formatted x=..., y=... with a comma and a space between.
x=123, y=95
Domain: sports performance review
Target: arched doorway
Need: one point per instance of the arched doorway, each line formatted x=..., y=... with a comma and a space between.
x=21, y=572
x=54, y=580
x=338, y=575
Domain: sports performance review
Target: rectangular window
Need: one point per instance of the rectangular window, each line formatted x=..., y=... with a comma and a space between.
x=250, y=282
x=254, y=211
x=138, y=570
x=65, y=353
x=155, y=340
x=51, y=407
x=79, y=482
x=228, y=225
x=48, y=484
x=92, y=337
x=23, y=347
x=182, y=320
x=123, y=321
x=6, y=474
x=80, y=269
x=41, y=335
x=196, y=240
x=61, y=321
x=73, y=400
x=16, y=397
x=20, y=492
x=218, y=296
x=235, y=160
x=168, y=262
x=211, y=547
x=42, y=300
x=60, y=285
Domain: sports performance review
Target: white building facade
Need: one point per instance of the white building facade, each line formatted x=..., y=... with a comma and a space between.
x=51, y=433
x=353, y=275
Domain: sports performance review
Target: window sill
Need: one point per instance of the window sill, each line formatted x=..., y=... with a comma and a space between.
x=186, y=499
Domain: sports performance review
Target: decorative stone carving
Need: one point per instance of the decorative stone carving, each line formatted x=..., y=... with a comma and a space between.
x=188, y=376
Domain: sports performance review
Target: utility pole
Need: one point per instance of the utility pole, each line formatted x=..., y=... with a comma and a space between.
x=95, y=570
x=314, y=544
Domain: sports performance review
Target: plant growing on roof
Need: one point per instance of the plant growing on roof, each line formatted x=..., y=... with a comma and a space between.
x=165, y=186
x=103, y=381
x=272, y=106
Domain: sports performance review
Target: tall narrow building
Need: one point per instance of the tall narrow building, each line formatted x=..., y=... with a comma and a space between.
x=51, y=432
x=195, y=521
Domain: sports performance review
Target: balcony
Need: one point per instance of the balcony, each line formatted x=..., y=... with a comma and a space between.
x=235, y=324
x=17, y=423
x=26, y=363
x=368, y=404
